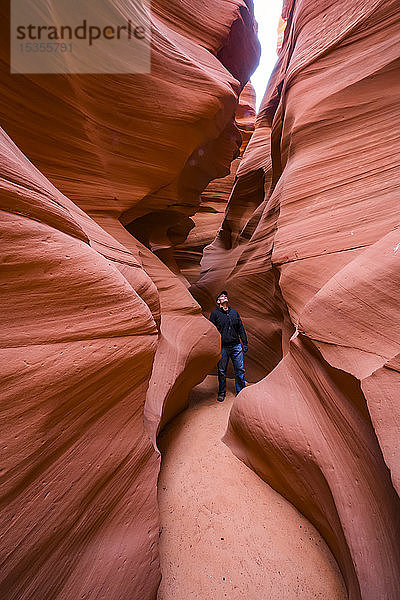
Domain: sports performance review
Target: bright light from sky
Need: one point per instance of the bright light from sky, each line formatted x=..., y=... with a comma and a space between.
x=267, y=14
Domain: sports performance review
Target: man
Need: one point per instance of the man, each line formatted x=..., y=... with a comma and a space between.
x=230, y=326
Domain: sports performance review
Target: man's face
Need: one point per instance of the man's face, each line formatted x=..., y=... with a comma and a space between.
x=222, y=299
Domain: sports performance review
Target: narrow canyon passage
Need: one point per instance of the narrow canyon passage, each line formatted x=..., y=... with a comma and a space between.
x=224, y=532
x=140, y=175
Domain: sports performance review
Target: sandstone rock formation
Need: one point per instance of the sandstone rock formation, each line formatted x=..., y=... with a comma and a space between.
x=93, y=323
x=79, y=335
x=100, y=176
x=313, y=267
x=208, y=218
x=225, y=533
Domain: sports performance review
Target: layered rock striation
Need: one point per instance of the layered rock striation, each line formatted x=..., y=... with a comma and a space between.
x=312, y=265
x=79, y=333
x=101, y=341
x=97, y=332
x=210, y=213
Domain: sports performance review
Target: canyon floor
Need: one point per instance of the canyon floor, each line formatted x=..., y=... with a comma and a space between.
x=225, y=533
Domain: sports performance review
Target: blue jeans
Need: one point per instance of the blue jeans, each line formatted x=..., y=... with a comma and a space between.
x=235, y=353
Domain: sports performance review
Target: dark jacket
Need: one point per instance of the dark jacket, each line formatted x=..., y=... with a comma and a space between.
x=230, y=326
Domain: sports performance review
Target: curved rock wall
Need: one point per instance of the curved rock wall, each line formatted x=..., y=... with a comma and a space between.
x=313, y=268
x=79, y=334
x=208, y=218
x=98, y=331
x=95, y=326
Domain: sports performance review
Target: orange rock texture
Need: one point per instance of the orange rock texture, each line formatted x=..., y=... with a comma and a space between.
x=312, y=264
x=214, y=199
x=101, y=340
x=79, y=332
x=96, y=330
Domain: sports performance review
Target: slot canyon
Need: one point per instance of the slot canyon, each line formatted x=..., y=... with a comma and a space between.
x=128, y=202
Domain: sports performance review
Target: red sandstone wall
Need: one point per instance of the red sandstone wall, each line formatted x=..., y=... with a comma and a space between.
x=214, y=199
x=313, y=268
x=96, y=330
x=79, y=332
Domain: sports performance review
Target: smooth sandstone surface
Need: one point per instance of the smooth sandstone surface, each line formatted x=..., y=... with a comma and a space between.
x=131, y=149
x=101, y=343
x=224, y=533
x=313, y=269
x=79, y=472
x=215, y=198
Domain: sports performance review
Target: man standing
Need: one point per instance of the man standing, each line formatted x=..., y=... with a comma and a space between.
x=230, y=326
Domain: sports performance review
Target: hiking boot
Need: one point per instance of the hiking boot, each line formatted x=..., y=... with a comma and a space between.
x=220, y=398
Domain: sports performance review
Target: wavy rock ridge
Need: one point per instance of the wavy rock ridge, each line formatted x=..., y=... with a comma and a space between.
x=313, y=267
x=96, y=330
x=214, y=199
x=101, y=173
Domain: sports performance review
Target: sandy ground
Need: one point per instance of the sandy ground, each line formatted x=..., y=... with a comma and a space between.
x=226, y=533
